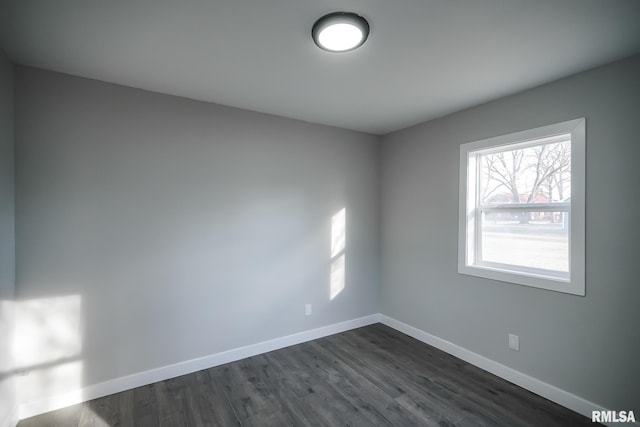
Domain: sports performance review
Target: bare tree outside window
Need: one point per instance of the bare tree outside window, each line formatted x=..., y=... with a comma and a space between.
x=519, y=186
x=539, y=174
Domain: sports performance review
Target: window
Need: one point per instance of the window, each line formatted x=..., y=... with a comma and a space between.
x=522, y=208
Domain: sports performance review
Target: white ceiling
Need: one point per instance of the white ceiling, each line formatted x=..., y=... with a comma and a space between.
x=423, y=59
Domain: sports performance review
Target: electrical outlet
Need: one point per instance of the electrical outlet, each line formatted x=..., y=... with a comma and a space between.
x=307, y=309
x=514, y=342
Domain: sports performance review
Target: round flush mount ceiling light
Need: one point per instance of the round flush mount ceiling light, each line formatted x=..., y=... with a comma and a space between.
x=340, y=31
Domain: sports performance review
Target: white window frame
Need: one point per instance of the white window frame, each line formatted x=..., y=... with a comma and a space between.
x=574, y=282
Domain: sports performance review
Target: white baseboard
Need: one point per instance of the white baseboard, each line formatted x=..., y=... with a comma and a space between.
x=117, y=385
x=552, y=393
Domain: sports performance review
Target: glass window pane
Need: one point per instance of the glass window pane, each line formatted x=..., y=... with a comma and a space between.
x=534, y=174
x=527, y=239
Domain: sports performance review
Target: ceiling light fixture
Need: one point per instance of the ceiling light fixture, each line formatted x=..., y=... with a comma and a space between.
x=340, y=31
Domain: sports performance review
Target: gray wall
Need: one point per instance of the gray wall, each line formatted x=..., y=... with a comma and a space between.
x=7, y=242
x=183, y=228
x=586, y=345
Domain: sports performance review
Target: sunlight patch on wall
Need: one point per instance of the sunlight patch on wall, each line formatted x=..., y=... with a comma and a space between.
x=7, y=385
x=6, y=331
x=338, y=246
x=47, y=350
x=337, y=276
x=338, y=230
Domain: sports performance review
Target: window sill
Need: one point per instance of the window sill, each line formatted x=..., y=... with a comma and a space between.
x=535, y=280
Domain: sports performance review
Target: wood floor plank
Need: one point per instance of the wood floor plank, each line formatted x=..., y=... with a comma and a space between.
x=189, y=395
x=170, y=405
x=352, y=379
x=291, y=390
x=211, y=402
x=274, y=379
x=247, y=398
x=371, y=376
x=323, y=404
x=145, y=409
x=274, y=419
x=113, y=410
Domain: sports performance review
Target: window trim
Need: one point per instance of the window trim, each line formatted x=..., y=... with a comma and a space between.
x=575, y=282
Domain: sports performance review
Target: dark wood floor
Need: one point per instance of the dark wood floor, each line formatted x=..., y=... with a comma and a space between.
x=372, y=376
